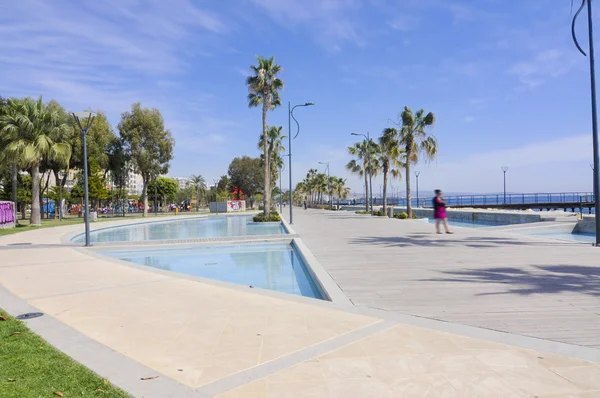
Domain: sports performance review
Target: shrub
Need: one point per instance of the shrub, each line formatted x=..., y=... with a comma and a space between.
x=379, y=213
x=401, y=216
x=361, y=212
x=272, y=217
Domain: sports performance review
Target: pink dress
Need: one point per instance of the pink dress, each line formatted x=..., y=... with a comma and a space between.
x=440, y=209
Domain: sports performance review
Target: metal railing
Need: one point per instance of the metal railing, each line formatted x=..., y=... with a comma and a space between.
x=509, y=199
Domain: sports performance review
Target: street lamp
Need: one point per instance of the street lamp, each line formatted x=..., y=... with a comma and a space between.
x=61, y=175
x=417, y=173
x=90, y=119
x=216, y=197
x=368, y=137
x=328, y=187
x=596, y=167
x=504, y=170
x=155, y=204
x=290, y=117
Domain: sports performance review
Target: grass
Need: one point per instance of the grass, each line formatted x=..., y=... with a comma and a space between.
x=29, y=367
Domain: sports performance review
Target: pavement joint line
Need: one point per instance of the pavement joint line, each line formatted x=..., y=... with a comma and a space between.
x=46, y=263
x=99, y=289
x=266, y=369
x=120, y=370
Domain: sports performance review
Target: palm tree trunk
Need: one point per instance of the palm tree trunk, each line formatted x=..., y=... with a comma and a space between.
x=267, y=190
x=408, y=205
x=366, y=191
x=385, y=181
x=35, y=196
x=144, y=191
x=14, y=188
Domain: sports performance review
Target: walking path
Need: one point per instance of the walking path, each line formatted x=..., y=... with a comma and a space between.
x=205, y=338
x=529, y=286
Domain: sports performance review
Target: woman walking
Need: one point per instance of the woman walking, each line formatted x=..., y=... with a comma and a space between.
x=439, y=212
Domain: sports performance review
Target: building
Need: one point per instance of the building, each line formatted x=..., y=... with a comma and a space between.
x=181, y=181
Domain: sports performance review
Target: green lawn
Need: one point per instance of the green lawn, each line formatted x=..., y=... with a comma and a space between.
x=29, y=367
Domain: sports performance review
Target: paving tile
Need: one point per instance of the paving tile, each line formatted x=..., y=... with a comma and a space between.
x=586, y=377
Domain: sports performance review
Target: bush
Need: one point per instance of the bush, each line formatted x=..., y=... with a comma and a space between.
x=401, y=216
x=379, y=213
x=272, y=217
x=361, y=212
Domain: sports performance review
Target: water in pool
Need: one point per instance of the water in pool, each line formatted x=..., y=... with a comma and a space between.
x=575, y=236
x=272, y=266
x=191, y=228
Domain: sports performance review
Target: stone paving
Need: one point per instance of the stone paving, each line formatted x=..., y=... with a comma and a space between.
x=206, y=338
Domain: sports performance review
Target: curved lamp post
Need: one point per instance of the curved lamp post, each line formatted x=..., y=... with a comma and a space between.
x=368, y=137
x=280, y=191
x=90, y=119
x=417, y=174
x=504, y=170
x=290, y=117
x=328, y=188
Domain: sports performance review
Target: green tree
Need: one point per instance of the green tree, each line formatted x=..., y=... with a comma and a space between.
x=246, y=174
x=275, y=141
x=166, y=189
x=390, y=159
x=34, y=132
x=198, y=185
x=97, y=190
x=340, y=188
x=150, y=145
x=264, y=86
x=416, y=142
x=360, y=165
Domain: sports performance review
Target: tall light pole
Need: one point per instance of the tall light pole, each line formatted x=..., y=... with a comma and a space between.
x=328, y=187
x=417, y=173
x=504, y=170
x=216, y=196
x=84, y=131
x=594, y=110
x=368, y=137
x=290, y=117
x=60, y=207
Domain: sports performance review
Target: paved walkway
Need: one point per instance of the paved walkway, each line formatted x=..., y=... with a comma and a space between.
x=529, y=286
x=204, y=338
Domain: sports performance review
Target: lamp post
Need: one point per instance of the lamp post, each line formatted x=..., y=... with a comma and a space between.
x=290, y=117
x=504, y=170
x=216, y=196
x=417, y=173
x=368, y=137
x=84, y=131
x=594, y=110
x=155, y=204
x=60, y=207
x=328, y=187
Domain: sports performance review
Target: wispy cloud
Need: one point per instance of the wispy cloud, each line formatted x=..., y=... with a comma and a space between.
x=544, y=65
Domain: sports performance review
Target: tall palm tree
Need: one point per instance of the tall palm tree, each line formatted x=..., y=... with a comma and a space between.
x=198, y=183
x=416, y=142
x=390, y=159
x=36, y=134
x=5, y=156
x=360, y=165
x=263, y=87
x=275, y=141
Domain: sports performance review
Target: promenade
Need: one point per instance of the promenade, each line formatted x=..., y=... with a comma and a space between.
x=157, y=333
x=529, y=286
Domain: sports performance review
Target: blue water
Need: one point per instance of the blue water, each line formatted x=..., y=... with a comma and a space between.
x=466, y=224
x=191, y=228
x=275, y=267
x=577, y=236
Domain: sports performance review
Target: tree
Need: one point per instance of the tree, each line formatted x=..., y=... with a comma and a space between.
x=416, y=142
x=165, y=188
x=360, y=165
x=246, y=174
x=35, y=133
x=264, y=88
x=5, y=156
x=118, y=169
x=96, y=184
x=198, y=184
x=275, y=139
x=390, y=159
x=340, y=189
x=150, y=145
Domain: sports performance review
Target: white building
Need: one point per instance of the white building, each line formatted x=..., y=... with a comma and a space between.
x=182, y=182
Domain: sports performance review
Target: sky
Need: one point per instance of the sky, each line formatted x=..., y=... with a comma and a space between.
x=506, y=83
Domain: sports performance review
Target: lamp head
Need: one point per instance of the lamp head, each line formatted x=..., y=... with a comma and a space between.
x=309, y=103
x=79, y=116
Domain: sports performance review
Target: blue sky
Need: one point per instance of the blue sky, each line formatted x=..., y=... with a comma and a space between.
x=503, y=78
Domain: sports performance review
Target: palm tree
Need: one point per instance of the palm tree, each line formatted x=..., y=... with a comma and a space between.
x=198, y=183
x=264, y=88
x=340, y=188
x=275, y=141
x=390, y=158
x=5, y=156
x=360, y=165
x=35, y=133
x=416, y=142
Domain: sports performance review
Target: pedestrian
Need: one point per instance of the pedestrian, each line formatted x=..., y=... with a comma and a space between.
x=305, y=204
x=439, y=212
